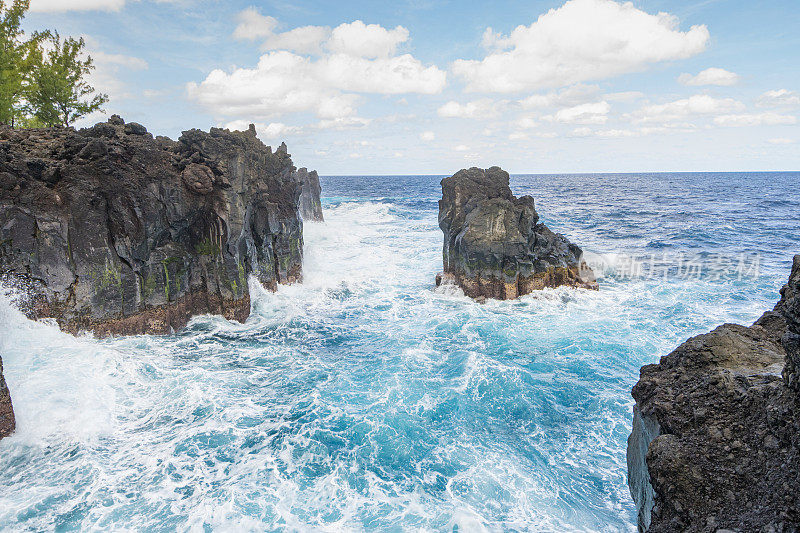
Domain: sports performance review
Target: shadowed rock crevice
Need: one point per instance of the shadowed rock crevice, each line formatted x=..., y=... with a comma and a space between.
x=117, y=232
x=494, y=244
x=716, y=430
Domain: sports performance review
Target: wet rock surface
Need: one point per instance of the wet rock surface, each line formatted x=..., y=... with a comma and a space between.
x=494, y=244
x=7, y=422
x=310, y=203
x=716, y=431
x=113, y=231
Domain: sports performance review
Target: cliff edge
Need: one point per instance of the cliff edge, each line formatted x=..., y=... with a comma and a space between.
x=716, y=429
x=116, y=232
x=7, y=422
x=494, y=244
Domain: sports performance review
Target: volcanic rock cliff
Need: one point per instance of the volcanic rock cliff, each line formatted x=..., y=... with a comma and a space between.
x=7, y=422
x=116, y=232
x=716, y=429
x=494, y=244
x=310, y=203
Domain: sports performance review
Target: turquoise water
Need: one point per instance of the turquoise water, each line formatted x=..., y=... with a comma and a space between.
x=364, y=399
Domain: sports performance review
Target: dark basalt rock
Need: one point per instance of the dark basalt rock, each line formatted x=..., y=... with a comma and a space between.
x=716, y=430
x=494, y=244
x=310, y=203
x=7, y=422
x=789, y=306
x=116, y=232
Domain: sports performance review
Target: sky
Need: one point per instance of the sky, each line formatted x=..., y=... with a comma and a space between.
x=429, y=87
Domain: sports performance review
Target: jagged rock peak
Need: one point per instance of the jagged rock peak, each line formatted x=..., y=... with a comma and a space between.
x=494, y=244
x=310, y=203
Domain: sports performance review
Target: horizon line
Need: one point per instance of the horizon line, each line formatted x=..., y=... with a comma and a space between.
x=572, y=173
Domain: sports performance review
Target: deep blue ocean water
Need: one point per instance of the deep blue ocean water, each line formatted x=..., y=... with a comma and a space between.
x=363, y=399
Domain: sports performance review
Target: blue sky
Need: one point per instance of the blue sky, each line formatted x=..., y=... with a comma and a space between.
x=429, y=87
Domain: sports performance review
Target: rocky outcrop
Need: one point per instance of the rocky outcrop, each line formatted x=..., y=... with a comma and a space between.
x=789, y=306
x=494, y=244
x=310, y=203
x=7, y=422
x=716, y=430
x=117, y=232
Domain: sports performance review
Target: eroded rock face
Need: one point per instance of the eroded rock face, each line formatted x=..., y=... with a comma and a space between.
x=494, y=244
x=310, y=203
x=790, y=307
x=716, y=430
x=7, y=422
x=118, y=233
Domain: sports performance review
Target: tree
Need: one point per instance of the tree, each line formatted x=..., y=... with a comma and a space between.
x=59, y=93
x=13, y=60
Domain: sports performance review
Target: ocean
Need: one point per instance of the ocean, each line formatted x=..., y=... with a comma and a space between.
x=366, y=399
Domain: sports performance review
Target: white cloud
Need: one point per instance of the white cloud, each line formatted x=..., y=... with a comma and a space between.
x=526, y=123
x=570, y=96
x=755, y=119
x=526, y=135
x=581, y=132
x=625, y=96
x=427, y=136
x=314, y=69
x=60, y=6
x=343, y=123
x=779, y=98
x=273, y=130
x=153, y=93
x=106, y=75
x=366, y=40
x=781, y=140
x=490, y=39
x=386, y=75
x=353, y=39
x=613, y=134
x=129, y=62
x=625, y=133
x=582, y=40
x=303, y=40
x=461, y=148
x=283, y=82
x=699, y=104
x=593, y=113
x=484, y=108
x=253, y=25
x=710, y=76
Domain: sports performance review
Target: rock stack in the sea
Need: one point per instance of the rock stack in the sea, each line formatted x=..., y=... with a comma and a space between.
x=7, y=422
x=310, y=203
x=716, y=429
x=117, y=232
x=494, y=244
